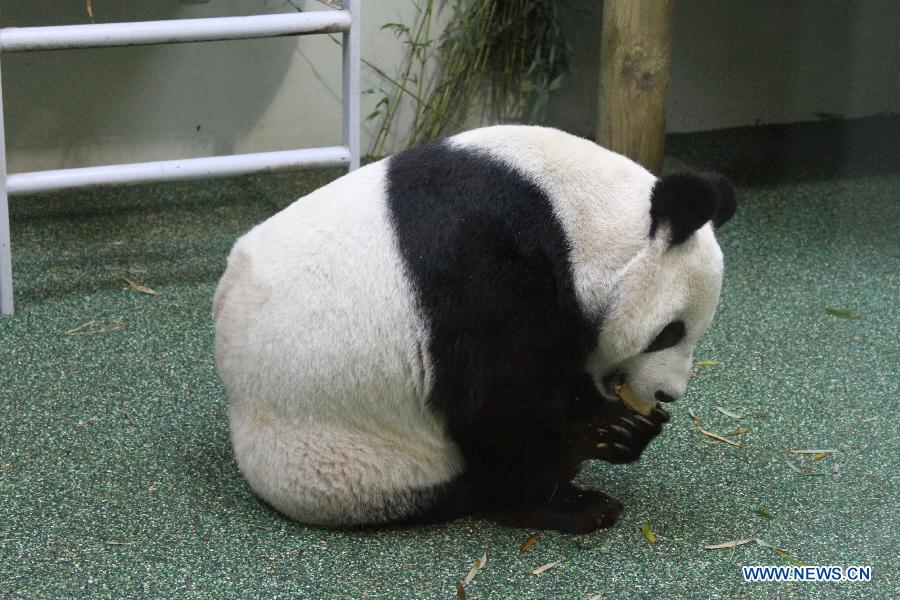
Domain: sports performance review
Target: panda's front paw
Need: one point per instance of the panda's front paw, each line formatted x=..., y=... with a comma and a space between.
x=624, y=438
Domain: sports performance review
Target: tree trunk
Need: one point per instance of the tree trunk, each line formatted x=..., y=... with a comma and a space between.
x=634, y=78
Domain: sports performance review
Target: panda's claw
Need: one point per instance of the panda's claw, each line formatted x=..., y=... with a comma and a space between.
x=660, y=414
x=610, y=431
x=617, y=454
x=642, y=419
x=630, y=422
x=624, y=433
x=624, y=437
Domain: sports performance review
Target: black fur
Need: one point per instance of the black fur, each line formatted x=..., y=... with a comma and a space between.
x=687, y=201
x=727, y=204
x=670, y=336
x=490, y=266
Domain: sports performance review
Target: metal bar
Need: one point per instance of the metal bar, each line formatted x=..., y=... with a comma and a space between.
x=350, y=85
x=15, y=39
x=6, y=290
x=21, y=184
x=176, y=31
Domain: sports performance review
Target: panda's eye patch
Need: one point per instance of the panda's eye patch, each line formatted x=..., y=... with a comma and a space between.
x=668, y=337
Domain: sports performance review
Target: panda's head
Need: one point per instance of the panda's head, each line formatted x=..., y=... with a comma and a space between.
x=645, y=265
x=664, y=298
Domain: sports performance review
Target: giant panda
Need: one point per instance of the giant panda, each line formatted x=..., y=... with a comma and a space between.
x=444, y=332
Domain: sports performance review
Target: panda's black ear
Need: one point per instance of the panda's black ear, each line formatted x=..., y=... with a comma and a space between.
x=687, y=201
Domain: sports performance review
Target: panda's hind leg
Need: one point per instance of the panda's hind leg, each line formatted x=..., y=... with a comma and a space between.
x=519, y=470
x=570, y=510
x=535, y=494
x=565, y=507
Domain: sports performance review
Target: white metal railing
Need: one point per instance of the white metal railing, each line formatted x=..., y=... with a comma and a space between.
x=345, y=20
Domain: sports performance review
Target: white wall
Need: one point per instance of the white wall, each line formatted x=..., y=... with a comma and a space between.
x=734, y=63
x=113, y=105
x=771, y=61
x=738, y=62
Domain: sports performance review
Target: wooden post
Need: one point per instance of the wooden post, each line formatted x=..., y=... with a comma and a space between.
x=634, y=78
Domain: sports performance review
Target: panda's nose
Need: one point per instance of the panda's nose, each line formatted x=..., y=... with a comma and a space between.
x=664, y=397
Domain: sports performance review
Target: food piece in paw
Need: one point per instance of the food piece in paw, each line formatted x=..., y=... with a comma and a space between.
x=633, y=401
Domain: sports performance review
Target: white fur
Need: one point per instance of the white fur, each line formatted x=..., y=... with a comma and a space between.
x=601, y=198
x=659, y=285
x=323, y=358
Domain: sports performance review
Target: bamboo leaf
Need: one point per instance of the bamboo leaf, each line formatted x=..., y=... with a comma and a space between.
x=528, y=543
x=788, y=558
x=395, y=27
x=717, y=437
x=476, y=566
x=728, y=413
x=731, y=544
x=558, y=81
x=651, y=537
x=764, y=513
x=133, y=285
x=546, y=567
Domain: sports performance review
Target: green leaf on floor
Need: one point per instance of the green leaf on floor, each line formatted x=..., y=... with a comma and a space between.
x=787, y=557
x=764, y=513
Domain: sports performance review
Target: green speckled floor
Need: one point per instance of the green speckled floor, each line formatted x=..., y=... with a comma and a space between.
x=116, y=477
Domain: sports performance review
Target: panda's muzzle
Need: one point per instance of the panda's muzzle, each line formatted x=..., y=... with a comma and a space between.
x=616, y=387
x=616, y=379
